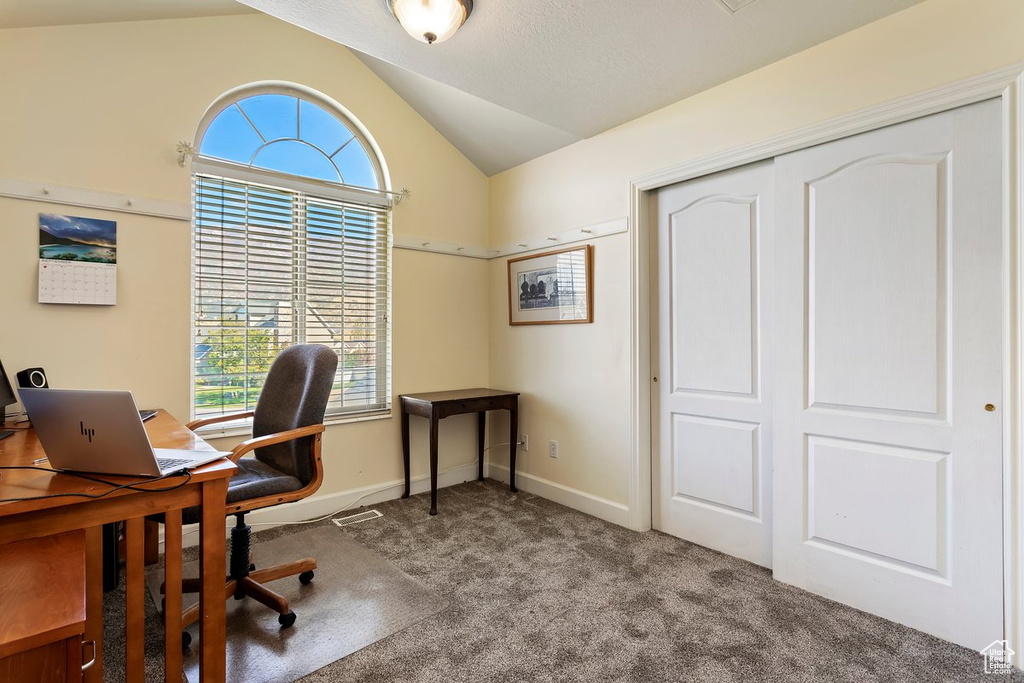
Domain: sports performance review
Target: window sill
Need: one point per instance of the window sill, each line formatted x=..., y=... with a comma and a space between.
x=244, y=427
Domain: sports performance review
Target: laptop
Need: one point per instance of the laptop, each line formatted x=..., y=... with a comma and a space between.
x=101, y=432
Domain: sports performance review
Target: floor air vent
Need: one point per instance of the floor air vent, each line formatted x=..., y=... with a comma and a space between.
x=355, y=519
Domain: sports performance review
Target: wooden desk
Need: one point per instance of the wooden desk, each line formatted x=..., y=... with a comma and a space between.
x=37, y=518
x=438, y=405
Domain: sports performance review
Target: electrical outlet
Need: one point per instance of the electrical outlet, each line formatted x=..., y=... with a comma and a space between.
x=553, y=449
x=526, y=442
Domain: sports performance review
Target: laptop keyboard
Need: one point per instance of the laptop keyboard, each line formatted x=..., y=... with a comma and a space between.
x=172, y=463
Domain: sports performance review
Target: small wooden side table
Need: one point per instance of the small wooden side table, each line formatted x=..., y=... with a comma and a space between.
x=436, y=406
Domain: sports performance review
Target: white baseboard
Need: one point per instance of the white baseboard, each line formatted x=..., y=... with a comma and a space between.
x=616, y=513
x=327, y=504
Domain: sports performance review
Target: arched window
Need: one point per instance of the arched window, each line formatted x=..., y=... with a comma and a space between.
x=291, y=223
x=284, y=132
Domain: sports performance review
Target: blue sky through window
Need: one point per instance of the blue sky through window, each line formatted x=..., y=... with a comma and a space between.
x=230, y=137
x=276, y=117
x=296, y=158
x=355, y=165
x=284, y=133
x=322, y=129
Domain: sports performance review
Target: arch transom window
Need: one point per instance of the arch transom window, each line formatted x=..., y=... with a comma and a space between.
x=290, y=245
x=291, y=135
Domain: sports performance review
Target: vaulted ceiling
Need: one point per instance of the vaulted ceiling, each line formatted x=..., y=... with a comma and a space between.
x=526, y=77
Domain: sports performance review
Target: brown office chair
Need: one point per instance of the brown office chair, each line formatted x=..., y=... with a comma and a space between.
x=287, y=427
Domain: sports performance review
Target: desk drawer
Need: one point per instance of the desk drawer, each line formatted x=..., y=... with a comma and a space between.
x=59, y=662
x=476, y=405
x=43, y=615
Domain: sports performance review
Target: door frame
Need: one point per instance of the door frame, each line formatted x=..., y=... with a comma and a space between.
x=1006, y=84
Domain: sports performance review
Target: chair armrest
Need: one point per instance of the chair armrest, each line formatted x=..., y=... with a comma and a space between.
x=278, y=437
x=196, y=424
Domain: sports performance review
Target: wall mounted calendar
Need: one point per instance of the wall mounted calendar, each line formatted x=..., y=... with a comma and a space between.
x=77, y=260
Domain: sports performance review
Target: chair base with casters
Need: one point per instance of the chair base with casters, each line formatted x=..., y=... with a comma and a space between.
x=244, y=580
x=247, y=581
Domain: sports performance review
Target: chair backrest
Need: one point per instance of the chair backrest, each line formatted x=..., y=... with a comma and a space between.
x=294, y=395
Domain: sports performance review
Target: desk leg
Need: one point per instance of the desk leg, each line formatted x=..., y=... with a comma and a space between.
x=513, y=446
x=152, y=553
x=405, y=450
x=135, y=596
x=212, y=570
x=172, y=596
x=481, y=429
x=433, y=461
x=94, y=599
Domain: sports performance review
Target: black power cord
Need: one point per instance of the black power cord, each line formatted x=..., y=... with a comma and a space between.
x=134, y=486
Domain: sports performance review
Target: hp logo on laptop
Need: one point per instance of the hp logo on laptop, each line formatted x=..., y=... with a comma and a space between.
x=86, y=432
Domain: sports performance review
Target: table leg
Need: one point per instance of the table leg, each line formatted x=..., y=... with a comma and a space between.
x=481, y=429
x=513, y=446
x=212, y=569
x=433, y=462
x=135, y=595
x=405, y=450
x=172, y=596
x=94, y=599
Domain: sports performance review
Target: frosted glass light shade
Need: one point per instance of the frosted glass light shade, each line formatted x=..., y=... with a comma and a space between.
x=431, y=21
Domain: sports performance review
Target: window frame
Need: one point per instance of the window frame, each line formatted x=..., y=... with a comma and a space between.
x=306, y=186
x=354, y=126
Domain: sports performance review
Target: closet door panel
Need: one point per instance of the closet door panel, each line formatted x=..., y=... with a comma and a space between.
x=712, y=405
x=889, y=338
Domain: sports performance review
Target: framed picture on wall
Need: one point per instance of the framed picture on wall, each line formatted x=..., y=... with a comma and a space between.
x=551, y=288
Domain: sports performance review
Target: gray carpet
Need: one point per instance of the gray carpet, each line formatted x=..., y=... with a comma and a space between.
x=356, y=599
x=539, y=592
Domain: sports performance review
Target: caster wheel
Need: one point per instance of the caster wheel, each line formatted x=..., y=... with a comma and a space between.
x=186, y=640
x=286, y=620
x=305, y=578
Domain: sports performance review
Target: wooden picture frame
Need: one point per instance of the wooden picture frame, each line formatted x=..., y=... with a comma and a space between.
x=552, y=288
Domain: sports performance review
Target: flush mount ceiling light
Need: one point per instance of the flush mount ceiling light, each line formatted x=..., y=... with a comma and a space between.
x=431, y=21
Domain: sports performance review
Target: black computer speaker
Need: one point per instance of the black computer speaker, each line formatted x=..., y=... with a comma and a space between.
x=32, y=378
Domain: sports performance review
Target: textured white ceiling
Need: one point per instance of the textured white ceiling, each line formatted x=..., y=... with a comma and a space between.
x=525, y=77
x=584, y=66
x=27, y=13
x=493, y=137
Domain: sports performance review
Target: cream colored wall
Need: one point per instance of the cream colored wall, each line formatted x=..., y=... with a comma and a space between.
x=575, y=379
x=102, y=107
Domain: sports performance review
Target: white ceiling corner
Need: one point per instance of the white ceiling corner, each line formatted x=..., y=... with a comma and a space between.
x=492, y=137
x=735, y=5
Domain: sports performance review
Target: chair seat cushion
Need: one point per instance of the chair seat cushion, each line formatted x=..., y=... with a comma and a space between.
x=254, y=479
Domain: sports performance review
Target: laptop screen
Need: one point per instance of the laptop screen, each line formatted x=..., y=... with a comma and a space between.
x=7, y=396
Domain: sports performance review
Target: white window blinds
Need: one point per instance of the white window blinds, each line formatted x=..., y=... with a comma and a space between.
x=274, y=267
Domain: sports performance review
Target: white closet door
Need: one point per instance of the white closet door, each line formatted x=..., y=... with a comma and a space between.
x=713, y=476
x=888, y=413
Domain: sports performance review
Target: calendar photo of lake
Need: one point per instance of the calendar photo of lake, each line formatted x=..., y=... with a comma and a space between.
x=73, y=238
